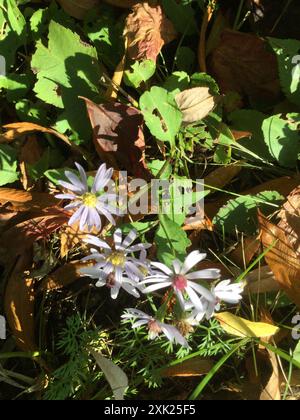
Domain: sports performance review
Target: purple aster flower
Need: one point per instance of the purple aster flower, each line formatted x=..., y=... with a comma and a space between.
x=90, y=203
x=155, y=327
x=115, y=266
x=181, y=280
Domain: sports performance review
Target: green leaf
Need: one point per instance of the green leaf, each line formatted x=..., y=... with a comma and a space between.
x=161, y=114
x=287, y=51
x=177, y=82
x=296, y=354
x=282, y=139
x=16, y=85
x=156, y=166
x=241, y=213
x=8, y=165
x=140, y=72
x=171, y=241
x=67, y=68
x=13, y=31
x=251, y=121
x=205, y=80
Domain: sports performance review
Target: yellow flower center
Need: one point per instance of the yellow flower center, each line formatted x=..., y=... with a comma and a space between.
x=89, y=200
x=117, y=259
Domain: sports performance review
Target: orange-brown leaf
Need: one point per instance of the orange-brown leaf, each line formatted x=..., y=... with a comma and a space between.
x=147, y=30
x=19, y=305
x=290, y=219
x=63, y=276
x=281, y=258
x=191, y=367
x=19, y=200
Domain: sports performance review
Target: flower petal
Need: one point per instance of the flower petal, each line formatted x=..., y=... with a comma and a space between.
x=155, y=287
x=191, y=260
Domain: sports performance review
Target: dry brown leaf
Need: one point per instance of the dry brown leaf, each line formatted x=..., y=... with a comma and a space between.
x=70, y=237
x=260, y=281
x=19, y=200
x=126, y=4
x=243, y=63
x=282, y=258
x=78, y=8
x=271, y=391
x=196, y=103
x=290, y=219
x=118, y=136
x=245, y=251
x=63, y=276
x=147, y=30
x=18, y=129
x=19, y=304
x=192, y=367
x=31, y=152
x=24, y=234
x=222, y=176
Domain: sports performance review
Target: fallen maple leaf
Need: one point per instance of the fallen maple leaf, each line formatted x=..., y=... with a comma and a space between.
x=147, y=30
x=281, y=258
x=118, y=136
x=242, y=63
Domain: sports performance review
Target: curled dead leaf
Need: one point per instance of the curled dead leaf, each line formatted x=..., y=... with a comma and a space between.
x=192, y=367
x=63, y=276
x=260, y=281
x=290, y=219
x=24, y=234
x=222, y=176
x=19, y=200
x=147, y=30
x=19, y=304
x=281, y=258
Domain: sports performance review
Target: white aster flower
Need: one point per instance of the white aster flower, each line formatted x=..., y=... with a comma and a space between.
x=115, y=267
x=90, y=203
x=180, y=278
x=225, y=291
x=155, y=327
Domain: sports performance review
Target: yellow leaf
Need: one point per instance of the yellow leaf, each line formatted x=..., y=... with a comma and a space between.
x=241, y=327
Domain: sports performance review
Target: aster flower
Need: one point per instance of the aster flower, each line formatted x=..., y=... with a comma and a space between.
x=115, y=267
x=90, y=203
x=180, y=278
x=225, y=291
x=155, y=327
